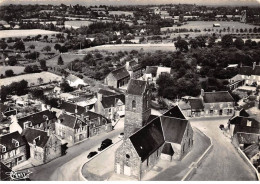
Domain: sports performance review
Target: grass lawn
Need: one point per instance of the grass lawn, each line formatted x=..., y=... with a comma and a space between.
x=17, y=69
x=31, y=78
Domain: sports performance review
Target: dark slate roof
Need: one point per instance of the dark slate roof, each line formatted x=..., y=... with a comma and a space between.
x=148, y=139
x=175, y=112
x=37, y=118
x=110, y=101
x=167, y=149
x=241, y=125
x=70, y=107
x=30, y=134
x=120, y=73
x=216, y=97
x=151, y=117
x=246, y=70
x=4, y=172
x=173, y=129
x=256, y=70
x=134, y=65
x=6, y=140
x=243, y=113
x=3, y=107
x=247, y=138
x=252, y=150
x=196, y=104
x=136, y=87
x=71, y=121
x=151, y=70
x=106, y=92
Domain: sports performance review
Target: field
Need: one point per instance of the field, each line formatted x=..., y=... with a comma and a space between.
x=66, y=58
x=77, y=24
x=31, y=78
x=130, y=47
x=209, y=25
x=121, y=13
x=17, y=69
x=25, y=33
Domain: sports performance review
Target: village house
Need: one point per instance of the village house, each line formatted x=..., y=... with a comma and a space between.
x=71, y=128
x=191, y=107
x=69, y=108
x=121, y=76
x=152, y=73
x=219, y=103
x=13, y=149
x=77, y=128
x=75, y=81
x=43, y=120
x=44, y=146
x=243, y=124
x=110, y=104
x=247, y=75
x=7, y=111
x=147, y=138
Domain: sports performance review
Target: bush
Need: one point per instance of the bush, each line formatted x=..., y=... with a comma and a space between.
x=9, y=73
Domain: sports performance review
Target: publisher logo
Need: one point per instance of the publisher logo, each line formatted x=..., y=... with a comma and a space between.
x=16, y=175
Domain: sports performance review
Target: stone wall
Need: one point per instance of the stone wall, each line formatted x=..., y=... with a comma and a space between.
x=53, y=149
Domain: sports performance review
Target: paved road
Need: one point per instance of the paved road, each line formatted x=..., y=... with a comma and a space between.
x=56, y=170
x=223, y=163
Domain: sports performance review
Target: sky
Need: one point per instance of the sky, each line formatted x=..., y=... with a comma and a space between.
x=134, y=2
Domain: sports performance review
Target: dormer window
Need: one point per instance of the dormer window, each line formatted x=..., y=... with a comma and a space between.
x=15, y=142
x=249, y=123
x=3, y=148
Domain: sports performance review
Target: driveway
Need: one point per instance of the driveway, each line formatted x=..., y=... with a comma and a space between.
x=223, y=163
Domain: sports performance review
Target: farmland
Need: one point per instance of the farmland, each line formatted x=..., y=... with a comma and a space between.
x=17, y=69
x=25, y=33
x=130, y=47
x=209, y=25
x=66, y=58
x=126, y=13
x=31, y=78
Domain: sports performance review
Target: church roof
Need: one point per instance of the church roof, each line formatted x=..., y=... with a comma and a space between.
x=167, y=149
x=175, y=112
x=148, y=139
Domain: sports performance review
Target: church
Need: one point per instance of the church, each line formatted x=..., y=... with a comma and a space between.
x=148, y=138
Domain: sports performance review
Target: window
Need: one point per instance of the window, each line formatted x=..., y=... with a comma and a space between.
x=134, y=104
x=249, y=123
x=3, y=149
x=127, y=156
x=17, y=144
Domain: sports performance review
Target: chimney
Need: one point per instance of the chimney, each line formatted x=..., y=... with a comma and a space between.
x=99, y=96
x=202, y=92
x=127, y=65
x=48, y=132
x=254, y=64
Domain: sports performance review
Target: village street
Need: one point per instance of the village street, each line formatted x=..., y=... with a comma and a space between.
x=67, y=167
x=223, y=163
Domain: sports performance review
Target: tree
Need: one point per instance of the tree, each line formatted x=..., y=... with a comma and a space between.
x=239, y=43
x=9, y=73
x=12, y=61
x=57, y=46
x=28, y=69
x=227, y=40
x=31, y=47
x=181, y=45
x=40, y=80
x=65, y=87
x=60, y=61
x=43, y=64
x=45, y=37
x=47, y=48
x=19, y=45
x=3, y=45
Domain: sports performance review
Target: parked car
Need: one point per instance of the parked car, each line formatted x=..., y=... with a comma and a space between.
x=91, y=154
x=121, y=135
x=105, y=144
x=221, y=127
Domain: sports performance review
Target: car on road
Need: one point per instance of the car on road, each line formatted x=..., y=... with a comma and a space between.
x=105, y=143
x=221, y=127
x=121, y=135
x=91, y=154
